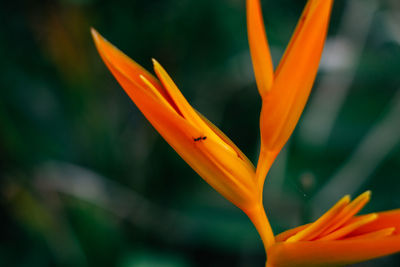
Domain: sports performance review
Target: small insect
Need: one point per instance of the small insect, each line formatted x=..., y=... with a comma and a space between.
x=200, y=138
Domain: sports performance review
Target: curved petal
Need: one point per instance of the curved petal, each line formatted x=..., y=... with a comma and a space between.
x=348, y=212
x=259, y=48
x=291, y=232
x=293, y=80
x=190, y=114
x=386, y=219
x=130, y=67
x=220, y=166
x=322, y=223
x=331, y=253
x=228, y=141
x=294, y=77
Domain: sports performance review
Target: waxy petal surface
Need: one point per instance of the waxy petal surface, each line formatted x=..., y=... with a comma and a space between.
x=295, y=75
x=330, y=253
x=259, y=48
x=360, y=238
x=210, y=156
x=284, y=102
x=348, y=212
x=321, y=224
x=386, y=219
x=130, y=68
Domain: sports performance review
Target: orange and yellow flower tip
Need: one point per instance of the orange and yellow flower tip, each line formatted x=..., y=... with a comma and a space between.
x=339, y=237
x=201, y=144
x=285, y=92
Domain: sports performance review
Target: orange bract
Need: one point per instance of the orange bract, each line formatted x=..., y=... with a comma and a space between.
x=200, y=144
x=341, y=240
x=284, y=101
x=260, y=55
x=336, y=238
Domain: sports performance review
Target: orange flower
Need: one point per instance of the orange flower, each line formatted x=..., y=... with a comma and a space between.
x=333, y=237
x=285, y=92
x=338, y=237
x=201, y=144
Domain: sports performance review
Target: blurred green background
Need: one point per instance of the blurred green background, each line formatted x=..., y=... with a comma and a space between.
x=86, y=181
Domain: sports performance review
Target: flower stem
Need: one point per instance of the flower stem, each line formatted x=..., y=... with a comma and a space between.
x=259, y=218
x=265, y=160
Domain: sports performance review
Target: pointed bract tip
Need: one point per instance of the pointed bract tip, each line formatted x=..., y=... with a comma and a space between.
x=156, y=64
x=158, y=68
x=94, y=33
x=367, y=193
x=346, y=198
x=97, y=38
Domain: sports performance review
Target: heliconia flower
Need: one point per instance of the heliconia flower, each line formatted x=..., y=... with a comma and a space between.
x=338, y=238
x=332, y=238
x=285, y=92
x=201, y=144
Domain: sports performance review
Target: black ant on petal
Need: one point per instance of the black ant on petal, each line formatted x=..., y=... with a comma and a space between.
x=200, y=138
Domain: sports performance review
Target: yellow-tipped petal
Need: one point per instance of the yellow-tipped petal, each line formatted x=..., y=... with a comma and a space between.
x=259, y=48
x=218, y=149
x=191, y=114
x=331, y=253
x=286, y=234
x=228, y=141
x=183, y=106
x=385, y=220
x=360, y=238
x=376, y=234
x=293, y=79
x=348, y=212
x=345, y=230
x=130, y=68
x=320, y=225
x=211, y=157
x=156, y=92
